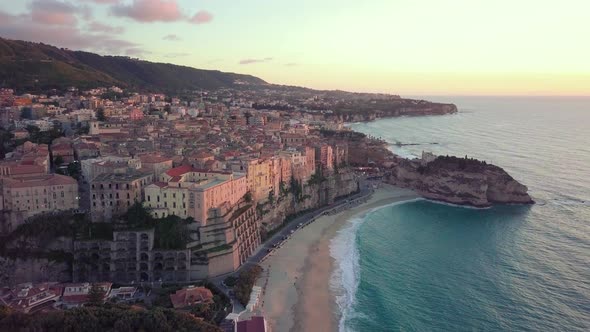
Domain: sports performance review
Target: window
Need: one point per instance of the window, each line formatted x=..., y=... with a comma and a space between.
x=149, y=198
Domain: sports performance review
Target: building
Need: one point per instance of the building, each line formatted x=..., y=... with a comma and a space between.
x=254, y=324
x=112, y=194
x=155, y=163
x=63, y=150
x=189, y=192
x=229, y=236
x=33, y=195
x=259, y=177
x=91, y=168
x=29, y=298
x=324, y=156
x=76, y=295
x=190, y=296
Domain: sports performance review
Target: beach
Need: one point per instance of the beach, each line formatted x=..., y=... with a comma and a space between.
x=296, y=278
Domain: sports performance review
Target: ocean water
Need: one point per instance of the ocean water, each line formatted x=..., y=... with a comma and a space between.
x=424, y=266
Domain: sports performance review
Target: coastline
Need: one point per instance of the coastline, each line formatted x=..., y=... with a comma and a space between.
x=296, y=281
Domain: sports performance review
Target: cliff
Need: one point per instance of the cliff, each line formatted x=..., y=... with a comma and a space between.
x=459, y=181
x=312, y=196
x=390, y=108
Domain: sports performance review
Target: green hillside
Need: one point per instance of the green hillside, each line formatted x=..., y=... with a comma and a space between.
x=36, y=66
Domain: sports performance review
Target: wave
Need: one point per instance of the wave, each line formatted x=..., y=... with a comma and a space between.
x=346, y=276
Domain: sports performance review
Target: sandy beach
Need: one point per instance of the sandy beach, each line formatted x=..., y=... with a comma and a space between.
x=296, y=278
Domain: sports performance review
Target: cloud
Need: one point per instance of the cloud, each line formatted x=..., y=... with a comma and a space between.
x=99, y=27
x=176, y=55
x=105, y=2
x=136, y=51
x=172, y=37
x=201, y=17
x=22, y=27
x=150, y=11
x=251, y=61
x=53, y=12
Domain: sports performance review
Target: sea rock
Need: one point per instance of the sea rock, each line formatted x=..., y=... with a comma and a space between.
x=459, y=181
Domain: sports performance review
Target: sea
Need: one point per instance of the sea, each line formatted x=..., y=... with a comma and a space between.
x=426, y=266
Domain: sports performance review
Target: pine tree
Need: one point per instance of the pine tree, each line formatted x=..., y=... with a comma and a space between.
x=95, y=295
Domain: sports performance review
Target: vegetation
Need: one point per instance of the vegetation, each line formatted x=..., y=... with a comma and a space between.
x=100, y=115
x=7, y=143
x=248, y=197
x=39, y=67
x=296, y=189
x=74, y=170
x=245, y=282
x=230, y=281
x=452, y=162
x=110, y=317
x=57, y=161
x=317, y=178
x=43, y=137
x=171, y=232
x=95, y=295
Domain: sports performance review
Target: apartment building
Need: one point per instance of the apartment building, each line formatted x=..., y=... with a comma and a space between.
x=185, y=191
x=111, y=194
x=222, y=245
x=33, y=195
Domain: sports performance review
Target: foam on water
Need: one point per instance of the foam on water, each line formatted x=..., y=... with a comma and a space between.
x=345, y=278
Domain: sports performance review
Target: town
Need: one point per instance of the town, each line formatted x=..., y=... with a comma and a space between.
x=159, y=194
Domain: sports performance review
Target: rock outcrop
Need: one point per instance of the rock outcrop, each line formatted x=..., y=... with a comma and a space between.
x=401, y=107
x=459, y=181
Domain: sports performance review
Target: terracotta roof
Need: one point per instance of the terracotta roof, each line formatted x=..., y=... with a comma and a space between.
x=180, y=170
x=188, y=296
x=255, y=324
x=152, y=159
x=39, y=181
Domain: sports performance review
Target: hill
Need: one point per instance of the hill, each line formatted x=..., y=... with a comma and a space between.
x=37, y=66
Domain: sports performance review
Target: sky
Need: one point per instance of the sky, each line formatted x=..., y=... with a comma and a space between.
x=407, y=47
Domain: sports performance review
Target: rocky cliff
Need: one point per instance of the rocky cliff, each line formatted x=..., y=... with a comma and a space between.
x=312, y=196
x=397, y=108
x=459, y=181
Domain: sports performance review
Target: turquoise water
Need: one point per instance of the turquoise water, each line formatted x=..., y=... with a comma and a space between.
x=423, y=266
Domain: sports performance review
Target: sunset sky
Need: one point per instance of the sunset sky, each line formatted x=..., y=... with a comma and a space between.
x=409, y=47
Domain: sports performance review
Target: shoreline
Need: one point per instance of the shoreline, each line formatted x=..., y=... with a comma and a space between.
x=297, y=295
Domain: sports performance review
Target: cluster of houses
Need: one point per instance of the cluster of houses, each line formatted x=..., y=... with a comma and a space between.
x=213, y=159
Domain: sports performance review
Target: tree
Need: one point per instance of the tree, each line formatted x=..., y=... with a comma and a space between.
x=95, y=295
x=57, y=161
x=26, y=113
x=248, y=197
x=271, y=197
x=100, y=116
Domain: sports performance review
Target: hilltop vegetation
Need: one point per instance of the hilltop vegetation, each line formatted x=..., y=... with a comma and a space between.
x=36, y=66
